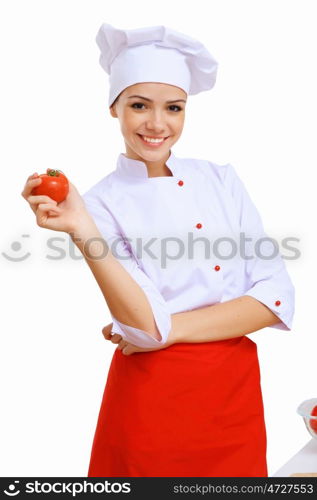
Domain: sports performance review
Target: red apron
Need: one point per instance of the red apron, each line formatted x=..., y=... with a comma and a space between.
x=190, y=410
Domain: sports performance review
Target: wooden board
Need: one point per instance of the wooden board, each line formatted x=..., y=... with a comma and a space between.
x=303, y=474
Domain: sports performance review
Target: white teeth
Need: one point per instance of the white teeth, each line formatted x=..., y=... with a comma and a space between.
x=152, y=140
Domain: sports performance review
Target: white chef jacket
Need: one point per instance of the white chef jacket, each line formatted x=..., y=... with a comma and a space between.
x=160, y=230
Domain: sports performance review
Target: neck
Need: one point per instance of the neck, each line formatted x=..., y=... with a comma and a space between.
x=158, y=172
x=154, y=168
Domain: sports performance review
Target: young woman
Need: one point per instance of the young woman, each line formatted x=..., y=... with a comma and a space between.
x=179, y=252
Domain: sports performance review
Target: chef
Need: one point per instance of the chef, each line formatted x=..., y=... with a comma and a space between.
x=178, y=249
x=194, y=408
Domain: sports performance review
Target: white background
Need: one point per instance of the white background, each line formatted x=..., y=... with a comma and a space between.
x=261, y=117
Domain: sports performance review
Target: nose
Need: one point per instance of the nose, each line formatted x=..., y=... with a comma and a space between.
x=155, y=122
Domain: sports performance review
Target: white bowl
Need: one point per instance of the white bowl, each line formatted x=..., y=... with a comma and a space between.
x=304, y=410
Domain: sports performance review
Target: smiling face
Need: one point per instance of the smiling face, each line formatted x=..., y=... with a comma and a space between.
x=158, y=112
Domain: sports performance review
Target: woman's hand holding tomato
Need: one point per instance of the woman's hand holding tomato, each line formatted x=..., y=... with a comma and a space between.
x=67, y=216
x=64, y=216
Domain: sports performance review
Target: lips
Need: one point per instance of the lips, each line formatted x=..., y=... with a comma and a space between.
x=152, y=136
x=153, y=144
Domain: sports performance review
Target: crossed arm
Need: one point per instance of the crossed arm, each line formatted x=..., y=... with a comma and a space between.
x=128, y=303
x=225, y=320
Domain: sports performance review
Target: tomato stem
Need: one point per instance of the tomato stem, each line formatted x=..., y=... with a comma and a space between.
x=52, y=172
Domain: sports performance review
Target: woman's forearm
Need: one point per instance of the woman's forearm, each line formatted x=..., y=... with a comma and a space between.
x=225, y=320
x=125, y=298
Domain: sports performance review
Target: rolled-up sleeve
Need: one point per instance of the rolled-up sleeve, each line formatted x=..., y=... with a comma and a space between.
x=120, y=248
x=266, y=277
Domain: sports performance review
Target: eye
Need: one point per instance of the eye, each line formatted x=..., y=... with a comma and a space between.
x=178, y=108
x=137, y=104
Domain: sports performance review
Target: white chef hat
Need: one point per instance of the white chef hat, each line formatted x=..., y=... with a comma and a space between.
x=154, y=54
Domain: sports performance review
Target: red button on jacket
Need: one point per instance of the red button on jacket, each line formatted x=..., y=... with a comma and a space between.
x=278, y=303
x=198, y=225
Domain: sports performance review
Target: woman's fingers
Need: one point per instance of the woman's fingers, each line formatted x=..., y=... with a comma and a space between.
x=41, y=202
x=33, y=181
x=128, y=349
x=33, y=176
x=45, y=207
x=44, y=211
x=30, y=184
x=116, y=338
x=35, y=200
x=122, y=344
x=108, y=335
x=106, y=331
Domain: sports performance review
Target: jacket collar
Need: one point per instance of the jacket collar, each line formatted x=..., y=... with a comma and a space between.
x=127, y=167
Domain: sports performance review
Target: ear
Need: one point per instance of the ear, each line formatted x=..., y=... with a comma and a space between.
x=113, y=112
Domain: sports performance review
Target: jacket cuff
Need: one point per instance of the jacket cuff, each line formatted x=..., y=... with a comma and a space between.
x=141, y=338
x=280, y=303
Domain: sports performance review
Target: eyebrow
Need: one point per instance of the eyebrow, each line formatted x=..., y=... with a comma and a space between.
x=147, y=99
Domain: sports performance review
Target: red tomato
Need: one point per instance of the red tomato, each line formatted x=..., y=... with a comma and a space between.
x=313, y=422
x=54, y=184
